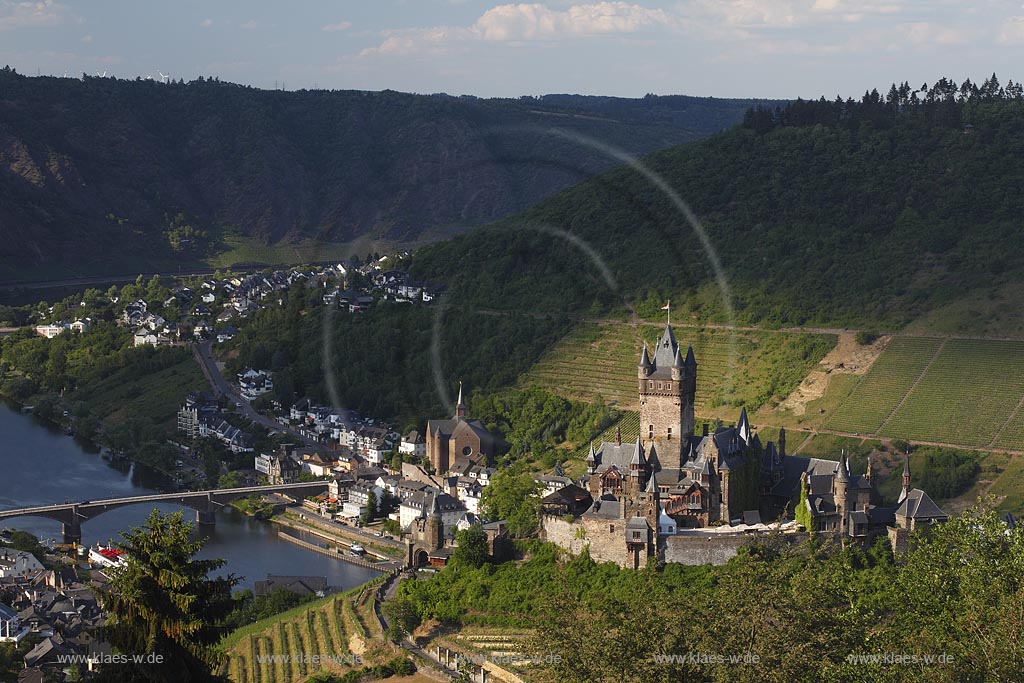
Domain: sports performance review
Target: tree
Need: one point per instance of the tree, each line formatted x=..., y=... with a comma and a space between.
x=371, y=508
x=163, y=601
x=471, y=547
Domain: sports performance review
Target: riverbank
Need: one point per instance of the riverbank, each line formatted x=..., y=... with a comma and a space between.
x=293, y=521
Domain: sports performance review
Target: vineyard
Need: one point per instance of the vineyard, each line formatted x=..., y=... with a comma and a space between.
x=884, y=385
x=967, y=394
x=598, y=363
x=314, y=637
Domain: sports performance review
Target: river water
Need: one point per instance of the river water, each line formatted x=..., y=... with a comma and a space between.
x=40, y=465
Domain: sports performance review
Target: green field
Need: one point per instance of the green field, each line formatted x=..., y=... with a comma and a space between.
x=884, y=385
x=598, y=362
x=967, y=394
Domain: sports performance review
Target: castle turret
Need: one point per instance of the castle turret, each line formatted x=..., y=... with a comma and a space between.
x=782, y=442
x=906, y=478
x=645, y=366
x=591, y=460
x=743, y=426
x=840, y=486
x=678, y=368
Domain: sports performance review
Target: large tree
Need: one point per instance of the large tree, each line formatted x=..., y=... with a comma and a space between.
x=164, y=602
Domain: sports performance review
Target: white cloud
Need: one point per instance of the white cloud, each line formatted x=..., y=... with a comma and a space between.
x=525, y=22
x=87, y=39
x=339, y=26
x=249, y=25
x=1012, y=31
x=206, y=23
x=14, y=15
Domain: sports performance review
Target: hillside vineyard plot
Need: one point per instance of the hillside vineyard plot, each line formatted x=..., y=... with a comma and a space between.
x=966, y=395
x=882, y=388
x=598, y=362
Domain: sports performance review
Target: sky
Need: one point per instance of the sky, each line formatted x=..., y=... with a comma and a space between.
x=720, y=48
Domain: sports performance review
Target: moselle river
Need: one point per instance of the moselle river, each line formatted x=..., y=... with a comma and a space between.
x=40, y=465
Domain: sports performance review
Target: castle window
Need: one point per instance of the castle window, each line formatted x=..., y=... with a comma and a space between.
x=669, y=433
x=611, y=528
x=659, y=385
x=636, y=535
x=650, y=431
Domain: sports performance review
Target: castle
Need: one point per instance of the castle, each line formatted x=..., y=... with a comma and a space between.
x=646, y=496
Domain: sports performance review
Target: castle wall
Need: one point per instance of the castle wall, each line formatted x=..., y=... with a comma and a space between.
x=605, y=544
x=714, y=549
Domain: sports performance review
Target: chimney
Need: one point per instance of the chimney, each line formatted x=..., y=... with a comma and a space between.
x=705, y=429
x=618, y=436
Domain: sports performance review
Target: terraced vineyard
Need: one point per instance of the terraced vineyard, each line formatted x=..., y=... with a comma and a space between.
x=598, y=362
x=297, y=644
x=967, y=394
x=884, y=385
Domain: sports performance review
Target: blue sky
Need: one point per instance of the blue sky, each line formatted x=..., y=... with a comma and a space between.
x=743, y=48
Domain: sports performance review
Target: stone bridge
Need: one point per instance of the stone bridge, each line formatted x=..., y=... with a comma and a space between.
x=205, y=503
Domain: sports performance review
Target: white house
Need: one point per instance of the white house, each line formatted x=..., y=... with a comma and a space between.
x=416, y=504
x=11, y=630
x=17, y=563
x=51, y=331
x=413, y=444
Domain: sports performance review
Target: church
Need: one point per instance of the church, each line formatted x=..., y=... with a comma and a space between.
x=647, y=497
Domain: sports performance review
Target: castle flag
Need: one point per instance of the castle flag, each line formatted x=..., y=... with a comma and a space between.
x=667, y=306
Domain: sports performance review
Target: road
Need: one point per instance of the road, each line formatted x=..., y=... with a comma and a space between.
x=204, y=356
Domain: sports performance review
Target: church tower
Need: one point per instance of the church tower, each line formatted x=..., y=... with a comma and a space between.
x=668, y=388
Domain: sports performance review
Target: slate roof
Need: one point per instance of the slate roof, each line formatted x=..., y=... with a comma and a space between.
x=919, y=505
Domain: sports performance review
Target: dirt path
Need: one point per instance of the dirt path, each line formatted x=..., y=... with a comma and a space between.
x=848, y=357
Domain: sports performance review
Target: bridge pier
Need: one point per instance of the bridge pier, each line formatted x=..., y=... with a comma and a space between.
x=72, y=532
x=205, y=518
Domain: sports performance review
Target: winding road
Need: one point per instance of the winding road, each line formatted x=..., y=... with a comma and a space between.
x=204, y=356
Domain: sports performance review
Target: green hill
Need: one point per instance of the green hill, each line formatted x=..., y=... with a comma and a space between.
x=105, y=176
x=869, y=213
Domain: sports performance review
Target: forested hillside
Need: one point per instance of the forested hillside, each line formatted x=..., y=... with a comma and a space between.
x=869, y=212
x=99, y=175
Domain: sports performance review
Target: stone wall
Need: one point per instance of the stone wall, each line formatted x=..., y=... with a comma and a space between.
x=605, y=544
x=714, y=549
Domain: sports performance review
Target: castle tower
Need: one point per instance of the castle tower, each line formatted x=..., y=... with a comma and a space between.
x=433, y=528
x=724, y=473
x=667, y=386
x=840, y=486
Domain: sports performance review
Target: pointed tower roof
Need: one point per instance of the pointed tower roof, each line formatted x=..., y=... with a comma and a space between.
x=591, y=457
x=666, y=350
x=652, y=484
x=645, y=359
x=638, y=456
x=460, y=408
x=677, y=360
x=690, y=359
x=433, y=512
x=906, y=465
x=843, y=471
x=743, y=426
